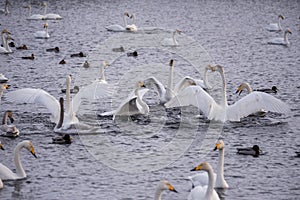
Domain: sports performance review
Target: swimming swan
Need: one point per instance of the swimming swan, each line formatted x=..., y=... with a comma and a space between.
x=205, y=192
x=6, y=48
x=39, y=96
x=220, y=182
x=49, y=15
x=163, y=185
x=6, y=173
x=5, y=10
x=131, y=27
x=171, y=41
x=4, y=33
x=34, y=16
x=275, y=26
x=281, y=41
x=9, y=130
x=42, y=34
x=253, y=102
x=133, y=104
x=117, y=27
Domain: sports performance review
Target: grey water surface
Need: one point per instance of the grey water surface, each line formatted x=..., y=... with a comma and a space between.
x=125, y=159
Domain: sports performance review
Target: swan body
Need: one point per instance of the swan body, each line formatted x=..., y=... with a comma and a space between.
x=8, y=130
x=171, y=41
x=205, y=192
x=117, y=27
x=253, y=151
x=281, y=41
x=50, y=16
x=39, y=96
x=1, y=183
x=6, y=173
x=220, y=182
x=3, y=79
x=132, y=27
x=163, y=185
x=275, y=26
x=6, y=49
x=34, y=16
x=42, y=34
x=132, y=105
x=253, y=102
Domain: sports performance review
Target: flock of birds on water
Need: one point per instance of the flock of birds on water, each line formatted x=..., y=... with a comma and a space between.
x=187, y=92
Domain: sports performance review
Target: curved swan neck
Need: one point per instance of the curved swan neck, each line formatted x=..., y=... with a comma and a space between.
x=174, y=39
x=221, y=71
x=205, y=80
x=124, y=20
x=279, y=23
x=285, y=36
x=211, y=182
x=4, y=120
x=248, y=87
x=68, y=94
x=170, y=83
x=158, y=194
x=102, y=72
x=19, y=168
x=61, y=116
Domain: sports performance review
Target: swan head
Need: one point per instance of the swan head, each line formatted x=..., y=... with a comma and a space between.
x=10, y=116
x=46, y=25
x=171, y=63
x=4, y=86
x=8, y=37
x=205, y=166
x=241, y=87
x=1, y=146
x=5, y=31
x=165, y=185
x=288, y=31
x=126, y=14
x=29, y=146
x=218, y=68
x=44, y=4
x=105, y=64
x=69, y=79
x=219, y=145
x=177, y=31
x=281, y=16
x=140, y=84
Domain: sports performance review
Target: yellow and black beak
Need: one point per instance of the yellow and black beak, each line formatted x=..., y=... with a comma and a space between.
x=171, y=188
x=239, y=90
x=1, y=147
x=217, y=146
x=6, y=86
x=33, y=152
x=198, y=168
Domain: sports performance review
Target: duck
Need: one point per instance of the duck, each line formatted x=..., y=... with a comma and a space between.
x=119, y=49
x=220, y=182
x=6, y=173
x=64, y=139
x=62, y=62
x=80, y=54
x=11, y=44
x=8, y=130
x=42, y=34
x=28, y=57
x=23, y=47
x=276, y=26
x=134, y=54
x=206, y=192
x=86, y=64
x=133, y=104
x=249, y=104
x=55, y=49
x=163, y=185
x=254, y=151
x=281, y=41
x=73, y=90
x=3, y=79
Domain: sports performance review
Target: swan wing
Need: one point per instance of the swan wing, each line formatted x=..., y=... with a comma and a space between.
x=37, y=96
x=197, y=193
x=159, y=87
x=95, y=90
x=6, y=173
x=254, y=102
x=193, y=95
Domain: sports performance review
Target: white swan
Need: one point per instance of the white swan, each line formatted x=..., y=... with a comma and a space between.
x=132, y=27
x=253, y=102
x=8, y=130
x=6, y=173
x=220, y=182
x=34, y=16
x=171, y=41
x=117, y=27
x=6, y=48
x=39, y=96
x=206, y=192
x=132, y=105
x=275, y=26
x=5, y=10
x=281, y=41
x=4, y=33
x=50, y=16
x=42, y=34
x=163, y=185
x=3, y=79
x=2, y=88
x=1, y=183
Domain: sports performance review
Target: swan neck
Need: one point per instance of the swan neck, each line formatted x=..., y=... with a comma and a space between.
x=3, y=39
x=124, y=20
x=170, y=83
x=221, y=165
x=174, y=39
x=102, y=73
x=205, y=80
x=158, y=194
x=6, y=45
x=224, y=98
x=19, y=168
x=285, y=36
x=211, y=183
x=45, y=9
x=279, y=23
x=68, y=95
x=4, y=120
x=61, y=116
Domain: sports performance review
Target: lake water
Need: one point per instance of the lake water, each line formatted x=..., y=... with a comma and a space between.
x=125, y=159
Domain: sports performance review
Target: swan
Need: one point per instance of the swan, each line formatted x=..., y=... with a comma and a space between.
x=171, y=41
x=253, y=151
x=281, y=41
x=131, y=27
x=163, y=185
x=117, y=27
x=9, y=130
x=3, y=79
x=102, y=75
x=206, y=192
x=2, y=88
x=4, y=33
x=168, y=93
x=133, y=104
x=39, y=96
x=247, y=86
x=42, y=34
x=49, y=15
x=6, y=48
x=64, y=139
x=34, y=16
x=5, y=10
x=6, y=173
x=220, y=182
x=275, y=26
x=251, y=103
x=1, y=183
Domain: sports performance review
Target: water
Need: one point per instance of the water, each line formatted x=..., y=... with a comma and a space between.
x=228, y=33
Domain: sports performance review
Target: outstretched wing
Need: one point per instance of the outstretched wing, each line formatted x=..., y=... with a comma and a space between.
x=37, y=96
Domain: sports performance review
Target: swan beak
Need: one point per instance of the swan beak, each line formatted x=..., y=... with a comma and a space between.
x=32, y=151
x=171, y=188
x=6, y=86
x=197, y=168
x=171, y=62
x=1, y=147
x=218, y=146
x=126, y=14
